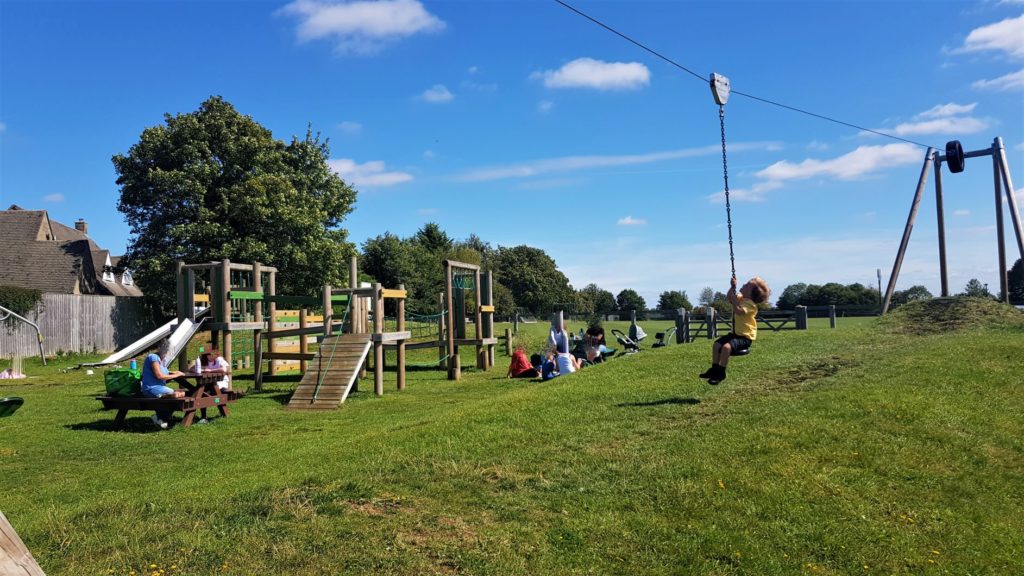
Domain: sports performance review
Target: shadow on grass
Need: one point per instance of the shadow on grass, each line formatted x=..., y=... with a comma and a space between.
x=662, y=402
x=141, y=425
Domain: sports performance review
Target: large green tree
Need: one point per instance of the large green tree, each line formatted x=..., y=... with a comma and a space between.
x=975, y=289
x=673, y=300
x=533, y=278
x=628, y=300
x=214, y=184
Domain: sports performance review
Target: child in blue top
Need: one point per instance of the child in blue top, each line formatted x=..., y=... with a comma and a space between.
x=154, y=376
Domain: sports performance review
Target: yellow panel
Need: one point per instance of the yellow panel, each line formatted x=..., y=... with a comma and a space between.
x=487, y=308
x=201, y=297
x=388, y=293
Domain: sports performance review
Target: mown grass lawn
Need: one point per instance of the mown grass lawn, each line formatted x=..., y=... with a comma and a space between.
x=848, y=451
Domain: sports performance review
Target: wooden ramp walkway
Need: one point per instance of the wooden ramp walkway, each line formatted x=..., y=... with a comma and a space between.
x=334, y=369
x=15, y=559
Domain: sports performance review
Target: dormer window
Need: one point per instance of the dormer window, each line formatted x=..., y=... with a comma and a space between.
x=108, y=271
x=126, y=279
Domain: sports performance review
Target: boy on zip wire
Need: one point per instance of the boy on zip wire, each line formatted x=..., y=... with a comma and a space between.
x=744, y=313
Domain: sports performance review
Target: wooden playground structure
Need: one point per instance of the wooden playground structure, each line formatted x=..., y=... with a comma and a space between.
x=243, y=299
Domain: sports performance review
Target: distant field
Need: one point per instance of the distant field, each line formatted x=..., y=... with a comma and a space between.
x=874, y=448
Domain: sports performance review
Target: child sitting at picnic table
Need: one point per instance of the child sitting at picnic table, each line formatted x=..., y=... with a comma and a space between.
x=212, y=360
x=154, y=376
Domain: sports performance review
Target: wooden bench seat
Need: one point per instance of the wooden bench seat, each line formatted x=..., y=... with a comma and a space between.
x=188, y=405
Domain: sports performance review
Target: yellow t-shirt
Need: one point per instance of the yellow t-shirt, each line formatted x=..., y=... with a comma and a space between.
x=745, y=313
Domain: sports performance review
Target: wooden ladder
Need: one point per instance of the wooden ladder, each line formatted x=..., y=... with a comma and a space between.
x=334, y=370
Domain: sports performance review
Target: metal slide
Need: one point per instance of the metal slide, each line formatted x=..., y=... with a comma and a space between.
x=180, y=335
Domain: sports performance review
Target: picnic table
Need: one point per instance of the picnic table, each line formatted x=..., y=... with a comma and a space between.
x=201, y=394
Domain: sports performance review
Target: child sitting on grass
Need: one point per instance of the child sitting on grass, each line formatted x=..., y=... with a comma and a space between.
x=744, y=311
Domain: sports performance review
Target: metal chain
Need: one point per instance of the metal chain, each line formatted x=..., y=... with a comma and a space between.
x=725, y=175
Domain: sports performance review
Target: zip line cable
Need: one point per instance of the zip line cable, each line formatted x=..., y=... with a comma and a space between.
x=751, y=96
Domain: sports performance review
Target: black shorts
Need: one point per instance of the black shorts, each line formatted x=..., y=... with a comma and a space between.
x=736, y=341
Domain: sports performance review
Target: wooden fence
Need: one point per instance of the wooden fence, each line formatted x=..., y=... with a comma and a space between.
x=77, y=323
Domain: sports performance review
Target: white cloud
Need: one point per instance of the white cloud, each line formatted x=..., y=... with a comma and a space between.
x=939, y=119
x=961, y=212
x=3, y=127
x=1006, y=36
x=1021, y=145
x=573, y=163
x=53, y=198
x=349, y=127
x=429, y=154
x=596, y=74
x=816, y=145
x=361, y=27
x=850, y=166
x=964, y=125
x=369, y=174
x=947, y=110
x=437, y=94
x=1007, y=82
x=630, y=221
x=545, y=106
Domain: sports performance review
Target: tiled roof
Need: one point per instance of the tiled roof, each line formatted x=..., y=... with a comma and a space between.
x=69, y=262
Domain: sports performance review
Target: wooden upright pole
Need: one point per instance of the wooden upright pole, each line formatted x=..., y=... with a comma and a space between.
x=481, y=359
x=442, y=338
x=377, y=302
x=489, y=316
x=225, y=270
x=454, y=366
x=272, y=319
x=401, y=343
x=303, y=339
x=929, y=157
x=353, y=283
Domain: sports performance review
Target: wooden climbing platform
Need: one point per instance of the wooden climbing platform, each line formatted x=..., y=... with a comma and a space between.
x=331, y=375
x=15, y=559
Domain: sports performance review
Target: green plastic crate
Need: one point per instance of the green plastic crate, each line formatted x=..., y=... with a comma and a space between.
x=123, y=381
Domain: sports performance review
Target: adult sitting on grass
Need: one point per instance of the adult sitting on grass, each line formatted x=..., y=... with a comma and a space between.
x=154, y=376
x=744, y=312
x=520, y=366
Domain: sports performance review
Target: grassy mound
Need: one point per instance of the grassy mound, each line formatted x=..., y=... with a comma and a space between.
x=940, y=315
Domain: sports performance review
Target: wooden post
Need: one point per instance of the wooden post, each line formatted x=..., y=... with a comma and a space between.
x=929, y=157
x=377, y=302
x=179, y=289
x=1004, y=286
x=489, y=316
x=190, y=294
x=272, y=319
x=682, y=326
x=508, y=341
x=442, y=338
x=515, y=322
x=328, y=310
x=353, y=283
x=712, y=323
x=481, y=360
x=225, y=272
x=401, y=343
x=454, y=366
x=831, y=315
x=801, y=317
x=303, y=339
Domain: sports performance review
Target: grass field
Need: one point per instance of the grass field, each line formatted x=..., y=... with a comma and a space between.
x=874, y=448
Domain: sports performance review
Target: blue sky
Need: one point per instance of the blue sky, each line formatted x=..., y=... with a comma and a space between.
x=524, y=123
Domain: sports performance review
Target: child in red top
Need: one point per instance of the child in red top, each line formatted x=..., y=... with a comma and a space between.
x=520, y=366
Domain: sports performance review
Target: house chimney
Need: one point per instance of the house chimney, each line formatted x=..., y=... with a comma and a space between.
x=81, y=226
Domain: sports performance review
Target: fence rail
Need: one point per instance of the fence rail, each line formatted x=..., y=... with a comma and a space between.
x=77, y=323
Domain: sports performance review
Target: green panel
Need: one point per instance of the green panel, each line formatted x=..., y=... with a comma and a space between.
x=339, y=298
x=245, y=295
